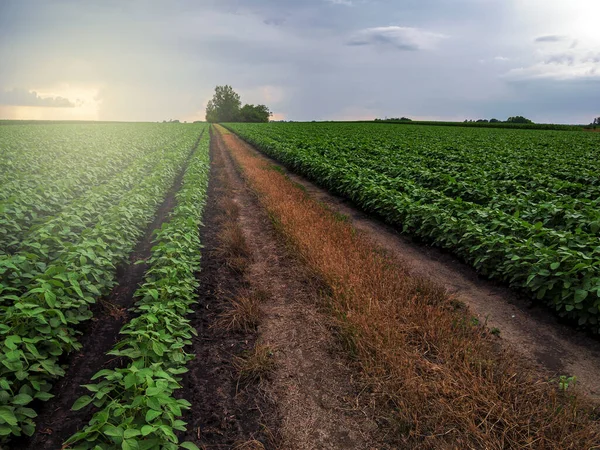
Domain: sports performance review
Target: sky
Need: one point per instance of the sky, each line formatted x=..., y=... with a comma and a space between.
x=150, y=60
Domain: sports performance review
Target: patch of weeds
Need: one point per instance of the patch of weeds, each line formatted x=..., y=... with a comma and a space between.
x=255, y=365
x=244, y=314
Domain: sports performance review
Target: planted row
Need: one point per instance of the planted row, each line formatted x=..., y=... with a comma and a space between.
x=138, y=409
x=48, y=241
x=41, y=325
x=67, y=162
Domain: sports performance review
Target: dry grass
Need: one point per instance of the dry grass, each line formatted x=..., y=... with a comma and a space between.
x=243, y=314
x=255, y=366
x=233, y=247
x=447, y=380
x=249, y=445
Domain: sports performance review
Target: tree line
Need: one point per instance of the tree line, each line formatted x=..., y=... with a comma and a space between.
x=226, y=106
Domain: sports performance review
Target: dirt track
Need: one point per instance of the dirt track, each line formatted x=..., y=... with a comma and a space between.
x=555, y=349
x=312, y=385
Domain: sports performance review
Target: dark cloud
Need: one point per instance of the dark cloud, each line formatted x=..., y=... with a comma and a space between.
x=551, y=38
x=275, y=21
x=23, y=97
x=567, y=59
x=400, y=38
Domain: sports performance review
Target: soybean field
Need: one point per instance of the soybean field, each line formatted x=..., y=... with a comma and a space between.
x=74, y=201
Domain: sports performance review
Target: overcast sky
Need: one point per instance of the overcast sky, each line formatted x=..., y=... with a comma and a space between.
x=306, y=59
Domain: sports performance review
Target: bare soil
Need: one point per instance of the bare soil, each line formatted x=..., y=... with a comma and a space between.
x=313, y=385
x=533, y=331
x=222, y=414
x=56, y=422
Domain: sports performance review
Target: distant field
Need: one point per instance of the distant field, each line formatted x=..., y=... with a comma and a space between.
x=521, y=206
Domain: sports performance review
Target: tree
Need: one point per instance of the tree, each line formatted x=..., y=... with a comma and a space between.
x=224, y=106
x=596, y=121
x=494, y=121
x=251, y=113
x=518, y=119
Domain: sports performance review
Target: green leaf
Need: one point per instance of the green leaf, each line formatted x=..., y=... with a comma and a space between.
x=81, y=402
x=111, y=430
x=50, y=298
x=131, y=432
x=22, y=399
x=189, y=446
x=555, y=265
x=12, y=341
x=580, y=295
x=158, y=348
x=152, y=414
x=43, y=396
x=147, y=429
x=7, y=416
x=129, y=444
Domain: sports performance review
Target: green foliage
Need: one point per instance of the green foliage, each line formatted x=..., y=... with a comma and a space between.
x=224, y=106
x=137, y=404
x=251, y=113
x=520, y=206
x=518, y=119
x=68, y=262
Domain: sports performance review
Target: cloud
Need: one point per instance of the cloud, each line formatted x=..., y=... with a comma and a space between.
x=568, y=65
x=501, y=58
x=23, y=97
x=275, y=21
x=550, y=38
x=400, y=38
x=341, y=2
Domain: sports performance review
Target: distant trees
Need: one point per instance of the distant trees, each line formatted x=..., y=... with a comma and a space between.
x=251, y=113
x=596, y=122
x=518, y=119
x=226, y=106
x=394, y=119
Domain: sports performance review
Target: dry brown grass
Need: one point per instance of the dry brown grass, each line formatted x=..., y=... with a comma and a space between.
x=449, y=383
x=233, y=247
x=256, y=365
x=249, y=445
x=242, y=315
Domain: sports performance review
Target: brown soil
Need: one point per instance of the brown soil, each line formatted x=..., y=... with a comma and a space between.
x=313, y=385
x=450, y=381
x=222, y=415
x=56, y=422
x=531, y=330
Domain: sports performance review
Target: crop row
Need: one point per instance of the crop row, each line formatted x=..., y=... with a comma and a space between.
x=47, y=241
x=137, y=406
x=79, y=160
x=558, y=267
x=40, y=325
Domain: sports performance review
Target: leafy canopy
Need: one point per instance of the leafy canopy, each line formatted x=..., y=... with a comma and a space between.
x=226, y=106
